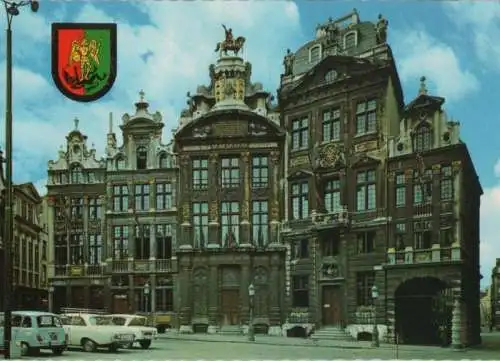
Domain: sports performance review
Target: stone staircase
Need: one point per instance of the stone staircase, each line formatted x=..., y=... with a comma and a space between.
x=230, y=330
x=335, y=333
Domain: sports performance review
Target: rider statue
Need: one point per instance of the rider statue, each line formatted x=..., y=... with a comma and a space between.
x=229, y=35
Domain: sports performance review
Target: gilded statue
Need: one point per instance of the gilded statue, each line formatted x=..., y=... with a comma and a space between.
x=229, y=43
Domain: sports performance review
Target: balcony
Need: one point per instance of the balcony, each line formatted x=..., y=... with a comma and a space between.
x=330, y=219
x=87, y=270
x=424, y=256
x=144, y=266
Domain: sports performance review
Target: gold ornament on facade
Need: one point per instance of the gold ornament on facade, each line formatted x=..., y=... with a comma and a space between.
x=240, y=89
x=184, y=160
x=214, y=211
x=151, y=181
x=330, y=155
x=185, y=212
x=219, y=89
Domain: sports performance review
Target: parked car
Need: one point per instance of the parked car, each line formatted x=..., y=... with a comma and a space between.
x=144, y=334
x=95, y=331
x=34, y=331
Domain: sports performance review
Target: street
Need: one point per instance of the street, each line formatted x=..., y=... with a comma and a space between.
x=192, y=347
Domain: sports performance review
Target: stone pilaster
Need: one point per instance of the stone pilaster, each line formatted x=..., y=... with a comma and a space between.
x=185, y=299
x=152, y=241
x=131, y=294
x=456, y=319
x=274, y=205
x=213, y=225
x=457, y=184
x=391, y=321
x=108, y=208
x=152, y=296
x=275, y=289
x=152, y=194
x=185, y=241
x=85, y=220
x=213, y=293
x=246, y=279
x=245, y=237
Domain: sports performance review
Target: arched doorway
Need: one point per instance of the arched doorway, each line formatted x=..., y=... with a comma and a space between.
x=421, y=310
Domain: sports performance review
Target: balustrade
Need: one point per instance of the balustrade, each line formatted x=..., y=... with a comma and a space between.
x=430, y=255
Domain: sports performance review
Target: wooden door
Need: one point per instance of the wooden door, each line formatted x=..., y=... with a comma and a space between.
x=332, y=306
x=120, y=304
x=230, y=307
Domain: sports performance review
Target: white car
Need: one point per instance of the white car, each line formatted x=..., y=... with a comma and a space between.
x=91, y=332
x=144, y=335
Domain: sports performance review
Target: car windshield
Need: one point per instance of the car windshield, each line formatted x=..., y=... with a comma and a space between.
x=48, y=321
x=100, y=321
x=138, y=321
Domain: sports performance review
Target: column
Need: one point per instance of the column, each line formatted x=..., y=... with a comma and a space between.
x=245, y=237
x=131, y=294
x=152, y=194
x=213, y=195
x=131, y=244
x=391, y=321
x=85, y=221
x=457, y=184
x=152, y=241
x=152, y=295
x=275, y=197
x=86, y=296
x=275, y=289
x=456, y=319
x=185, y=300
x=213, y=293
x=185, y=236
x=246, y=279
x=108, y=200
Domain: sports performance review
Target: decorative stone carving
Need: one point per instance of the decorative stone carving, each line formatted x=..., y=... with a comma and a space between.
x=214, y=211
x=330, y=156
x=299, y=161
x=330, y=270
x=255, y=128
x=230, y=276
x=436, y=169
x=202, y=132
x=260, y=276
x=408, y=174
x=184, y=160
x=214, y=158
x=186, y=213
x=456, y=166
x=275, y=156
x=275, y=210
x=245, y=157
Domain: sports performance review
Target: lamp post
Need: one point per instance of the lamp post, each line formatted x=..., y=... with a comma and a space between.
x=375, y=341
x=251, y=294
x=51, y=299
x=11, y=10
x=147, y=290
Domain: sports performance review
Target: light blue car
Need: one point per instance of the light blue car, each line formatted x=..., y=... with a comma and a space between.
x=33, y=331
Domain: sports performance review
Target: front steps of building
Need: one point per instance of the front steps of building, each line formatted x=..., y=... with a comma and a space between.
x=335, y=333
x=230, y=330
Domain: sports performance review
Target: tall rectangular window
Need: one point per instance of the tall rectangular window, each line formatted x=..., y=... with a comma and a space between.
x=164, y=300
x=260, y=171
x=300, y=291
x=200, y=224
x=422, y=187
x=142, y=239
x=76, y=248
x=120, y=242
x=163, y=241
x=332, y=196
x=95, y=209
x=200, y=173
x=446, y=186
x=366, y=191
x=300, y=200
x=331, y=125
x=120, y=198
x=300, y=133
x=230, y=223
x=230, y=175
x=95, y=249
x=141, y=195
x=364, y=282
x=61, y=250
x=400, y=190
x=164, y=195
x=300, y=249
x=366, y=242
x=76, y=208
x=260, y=223
x=423, y=239
x=446, y=236
x=366, y=117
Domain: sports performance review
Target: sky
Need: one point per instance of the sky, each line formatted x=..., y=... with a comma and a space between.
x=165, y=48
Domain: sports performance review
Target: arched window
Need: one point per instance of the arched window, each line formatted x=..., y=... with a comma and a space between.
x=165, y=161
x=315, y=54
x=142, y=158
x=330, y=76
x=350, y=40
x=120, y=163
x=422, y=138
x=76, y=174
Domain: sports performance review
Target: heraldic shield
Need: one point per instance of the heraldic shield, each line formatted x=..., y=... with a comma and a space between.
x=84, y=59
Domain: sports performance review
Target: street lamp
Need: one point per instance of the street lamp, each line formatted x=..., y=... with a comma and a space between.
x=147, y=290
x=11, y=10
x=375, y=341
x=251, y=294
x=51, y=299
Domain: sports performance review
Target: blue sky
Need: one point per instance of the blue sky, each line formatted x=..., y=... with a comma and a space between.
x=165, y=49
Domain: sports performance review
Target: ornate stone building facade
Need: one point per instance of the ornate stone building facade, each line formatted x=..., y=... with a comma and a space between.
x=229, y=144
x=379, y=193
x=495, y=296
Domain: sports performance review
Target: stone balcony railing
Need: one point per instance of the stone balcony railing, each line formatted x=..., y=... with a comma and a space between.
x=336, y=218
x=85, y=270
x=143, y=266
x=432, y=255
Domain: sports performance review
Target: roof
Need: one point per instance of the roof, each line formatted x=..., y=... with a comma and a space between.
x=125, y=316
x=33, y=313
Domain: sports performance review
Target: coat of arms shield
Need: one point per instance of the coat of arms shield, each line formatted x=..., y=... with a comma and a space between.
x=84, y=59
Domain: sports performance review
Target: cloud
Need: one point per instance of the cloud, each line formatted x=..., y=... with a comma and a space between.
x=418, y=54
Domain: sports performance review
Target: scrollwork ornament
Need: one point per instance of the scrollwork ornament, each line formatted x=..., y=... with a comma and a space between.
x=275, y=156
x=275, y=210
x=436, y=169
x=245, y=157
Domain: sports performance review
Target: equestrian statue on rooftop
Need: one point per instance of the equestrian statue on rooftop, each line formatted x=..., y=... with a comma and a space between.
x=229, y=43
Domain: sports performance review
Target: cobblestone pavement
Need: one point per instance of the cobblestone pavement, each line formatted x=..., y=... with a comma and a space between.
x=216, y=347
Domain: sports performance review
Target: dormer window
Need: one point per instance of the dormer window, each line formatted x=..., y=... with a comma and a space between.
x=120, y=163
x=76, y=174
x=422, y=138
x=350, y=40
x=165, y=161
x=315, y=54
x=142, y=158
x=330, y=76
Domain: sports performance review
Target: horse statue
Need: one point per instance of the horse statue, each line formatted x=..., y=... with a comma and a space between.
x=235, y=46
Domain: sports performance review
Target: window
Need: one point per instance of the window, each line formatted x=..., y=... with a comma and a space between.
x=76, y=208
x=331, y=125
x=91, y=177
x=260, y=172
x=165, y=161
x=366, y=191
x=300, y=291
x=364, y=281
x=37, y=258
x=164, y=195
x=230, y=172
x=366, y=117
x=61, y=250
x=300, y=249
x=422, y=138
x=446, y=237
x=366, y=242
x=300, y=200
x=350, y=40
x=200, y=173
x=400, y=190
x=142, y=158
x=230, y=222
x=120, y=163
x=76, y=174
x=315, y=54
x=120, y=242
x=163, y=241
x=400, y=236
x=164, y=300
x=95, y=249
x=330, y=245
x=142, y=237
x=423, y=239
x=76, y=248
x=120, y=198
x=260, y=223
x=141, y=197
x=200, y=224
x=447, y=188
x=94, y=209
x=332, y=196
x=331, y=76
x=422, y=187
x=300, y=133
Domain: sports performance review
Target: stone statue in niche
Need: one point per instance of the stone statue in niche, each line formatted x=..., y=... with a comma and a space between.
x=202, y=132
x=256, y=129
x=381, y=29
x=330, y=270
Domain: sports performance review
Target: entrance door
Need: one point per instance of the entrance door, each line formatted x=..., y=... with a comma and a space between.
x=230, y=307
x=332, y=305
x=120, y=304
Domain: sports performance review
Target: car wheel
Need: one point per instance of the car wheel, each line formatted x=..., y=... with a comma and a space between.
x=129, y=345
x=113, y=348
x=25, y=349
x=88, y=345
x=145, y=344
x=160, y=329
x=58, y=351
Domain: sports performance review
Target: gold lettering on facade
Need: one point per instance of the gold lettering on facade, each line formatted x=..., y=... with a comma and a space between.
x=365, y=146
x=299, y=161
x=191, y=148
x=214, y=211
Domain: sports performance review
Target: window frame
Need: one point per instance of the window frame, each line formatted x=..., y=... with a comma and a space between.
x=368, y=189
x=260, y=171
x=330, y=124
x=400, y=190
x=299, y=134
x=300, y=291
x=446, y=184
x=366, y=242
x=422, y=138
x=366, y=117
x=364, y=283
x=333, y=195
x=230, y=223
x=95, y=249
x=120, y=242
x=142, y=193
x=141, y=157
x=230, y=176
x=260, y=223
x=200, y=220
x=299, y=200
x=94, y=209
x=199, y=173
x=164, y=195
x=120, y=198
x=164, y=241
x=142, y=241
